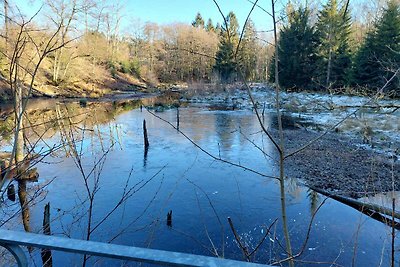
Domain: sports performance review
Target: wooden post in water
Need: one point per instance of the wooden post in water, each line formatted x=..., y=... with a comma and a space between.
x=47, y=259
x=177, y=118
x=11, y=192
x=169, y=218
x=46, y=220
x=146, y=140
x=263, y=112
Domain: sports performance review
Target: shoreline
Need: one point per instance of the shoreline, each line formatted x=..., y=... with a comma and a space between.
x=340, y=164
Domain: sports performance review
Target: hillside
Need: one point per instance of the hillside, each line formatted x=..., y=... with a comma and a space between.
x=84, y=80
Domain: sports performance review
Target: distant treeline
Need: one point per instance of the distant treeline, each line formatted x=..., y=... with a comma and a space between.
x=199, y=52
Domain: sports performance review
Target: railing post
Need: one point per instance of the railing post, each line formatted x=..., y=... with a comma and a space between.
x=18, y=254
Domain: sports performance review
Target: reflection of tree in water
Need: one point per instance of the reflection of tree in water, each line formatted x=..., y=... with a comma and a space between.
x=292, y=188
x=314, y=200
x=23, y=200
x=244, y=122
x=228, y=128
x=42, y=117
x=225, y=130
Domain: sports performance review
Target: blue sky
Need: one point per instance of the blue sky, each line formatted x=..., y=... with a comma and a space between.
x=164, y=11
x=169, y=11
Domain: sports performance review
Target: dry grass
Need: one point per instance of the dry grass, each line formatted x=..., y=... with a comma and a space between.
x=82, y=79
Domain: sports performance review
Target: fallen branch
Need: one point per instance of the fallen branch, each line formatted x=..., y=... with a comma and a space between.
x=372, y=210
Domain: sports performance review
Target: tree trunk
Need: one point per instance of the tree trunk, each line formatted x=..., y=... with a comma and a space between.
x=19, y=152
x=328, y=72
x=6, y=20
x=281, y=145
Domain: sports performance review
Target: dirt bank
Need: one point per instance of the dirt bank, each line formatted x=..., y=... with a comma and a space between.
x=340, y=164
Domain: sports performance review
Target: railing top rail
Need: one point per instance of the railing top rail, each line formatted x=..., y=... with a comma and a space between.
x=121, y=252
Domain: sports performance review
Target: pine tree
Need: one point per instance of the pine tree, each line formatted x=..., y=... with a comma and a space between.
x=334, y=55
x=297, y=51
x=379, y=56
x=198, y=21
x=233, y=25
x=247, y=57
x=210, y=26
x=342, y=61
x=218, y=28
x=225, y=63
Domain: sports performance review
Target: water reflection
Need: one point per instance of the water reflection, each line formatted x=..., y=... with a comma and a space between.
x=314, y=198
x=23, y=200
x=384, y=199
x=224, y=130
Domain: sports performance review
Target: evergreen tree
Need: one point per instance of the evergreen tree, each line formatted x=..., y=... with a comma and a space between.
x=247, y=57
x=218, y=28
x=198, y=21
x=225, y=63
x=297, y=51
x=210, y=26
x=334, y=55
x=379, y=56
x=233, y=28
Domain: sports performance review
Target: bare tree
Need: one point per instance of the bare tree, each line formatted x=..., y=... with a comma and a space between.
x=281, y=148
x=63, y=14
x=28, y=49
x=6, y=21
x=112, y=19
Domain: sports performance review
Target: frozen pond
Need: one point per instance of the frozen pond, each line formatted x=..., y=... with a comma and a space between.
x=201, y=191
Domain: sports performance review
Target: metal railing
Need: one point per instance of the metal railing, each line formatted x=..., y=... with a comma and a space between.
x=12, y=241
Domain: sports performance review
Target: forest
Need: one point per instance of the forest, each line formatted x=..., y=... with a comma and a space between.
x=215, y=133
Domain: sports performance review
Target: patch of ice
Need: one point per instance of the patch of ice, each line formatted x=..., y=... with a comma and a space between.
x=324, y=111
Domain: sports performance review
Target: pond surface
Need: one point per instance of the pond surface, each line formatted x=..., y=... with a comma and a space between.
x=174, y=175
